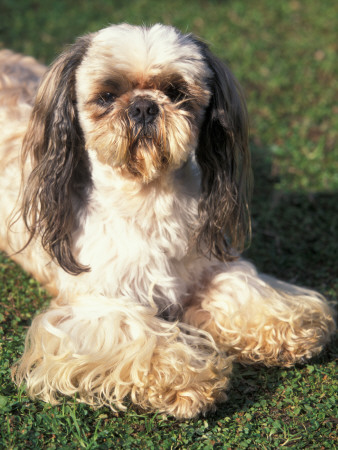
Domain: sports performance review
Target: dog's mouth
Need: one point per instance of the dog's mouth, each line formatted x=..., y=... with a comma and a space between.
x=148, y=155
x=147, y=149
x=143, y=131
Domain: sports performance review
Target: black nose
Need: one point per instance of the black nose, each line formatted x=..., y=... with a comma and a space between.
x=143, y=110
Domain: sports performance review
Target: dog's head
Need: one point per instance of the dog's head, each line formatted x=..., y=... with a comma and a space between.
x=145, y=100
x=141, y=97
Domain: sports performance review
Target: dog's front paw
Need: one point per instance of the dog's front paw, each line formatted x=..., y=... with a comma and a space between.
x=183, y=383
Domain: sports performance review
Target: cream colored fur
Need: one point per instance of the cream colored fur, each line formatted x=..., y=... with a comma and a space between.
x=152, y=320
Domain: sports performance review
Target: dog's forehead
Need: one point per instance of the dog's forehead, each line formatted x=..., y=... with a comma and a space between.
x=144, y=51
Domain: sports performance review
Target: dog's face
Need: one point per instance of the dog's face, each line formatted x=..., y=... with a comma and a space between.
x=141, y=97
x=144, y=99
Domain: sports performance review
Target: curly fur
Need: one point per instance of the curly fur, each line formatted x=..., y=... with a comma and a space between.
x=133, y=218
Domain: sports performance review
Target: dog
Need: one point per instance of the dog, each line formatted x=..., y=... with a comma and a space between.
x=125, y=184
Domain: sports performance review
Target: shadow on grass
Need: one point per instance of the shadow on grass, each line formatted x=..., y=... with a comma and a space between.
x=294, y=239
x=294, y=233
x=256, y=385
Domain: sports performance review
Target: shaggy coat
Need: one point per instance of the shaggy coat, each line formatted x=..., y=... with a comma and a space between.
x=124, y=182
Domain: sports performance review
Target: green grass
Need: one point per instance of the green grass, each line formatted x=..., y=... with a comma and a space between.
x=283, y=53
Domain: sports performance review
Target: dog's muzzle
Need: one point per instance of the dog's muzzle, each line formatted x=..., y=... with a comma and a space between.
x=143, y=111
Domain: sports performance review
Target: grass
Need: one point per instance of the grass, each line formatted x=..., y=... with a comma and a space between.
x=283, y=53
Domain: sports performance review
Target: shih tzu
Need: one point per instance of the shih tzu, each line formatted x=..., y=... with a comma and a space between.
x=128, y=172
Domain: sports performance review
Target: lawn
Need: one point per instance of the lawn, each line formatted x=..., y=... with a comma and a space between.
x=284, y=54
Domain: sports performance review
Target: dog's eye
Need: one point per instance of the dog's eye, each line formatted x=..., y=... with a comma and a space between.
x=106, y=98
x=175, y=93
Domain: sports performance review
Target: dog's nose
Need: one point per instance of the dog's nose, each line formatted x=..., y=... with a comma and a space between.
x=143, y=110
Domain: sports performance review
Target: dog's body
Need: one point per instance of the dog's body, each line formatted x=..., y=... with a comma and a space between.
x=135, y=165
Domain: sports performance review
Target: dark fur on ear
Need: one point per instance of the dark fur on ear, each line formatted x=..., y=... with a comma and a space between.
x=55, y=145
x=224, y=158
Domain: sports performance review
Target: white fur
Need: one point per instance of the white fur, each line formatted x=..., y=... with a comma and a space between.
x=152, y=318
x=142, y=251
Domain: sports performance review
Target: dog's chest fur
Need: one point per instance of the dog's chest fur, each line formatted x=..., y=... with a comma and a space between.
x=138, y=243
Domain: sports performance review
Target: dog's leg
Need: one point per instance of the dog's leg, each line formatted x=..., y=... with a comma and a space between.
x=260, y=319
x=106, y=349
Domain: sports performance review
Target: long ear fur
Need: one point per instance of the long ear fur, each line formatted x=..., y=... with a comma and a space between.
x=55, y=146
x=224, y=159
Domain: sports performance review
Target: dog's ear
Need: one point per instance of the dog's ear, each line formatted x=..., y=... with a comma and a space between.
x=54, y=146
x=224, y=159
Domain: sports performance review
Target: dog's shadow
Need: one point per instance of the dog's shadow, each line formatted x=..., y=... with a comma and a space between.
x=294, y=239
x=253, y=387
x=294, y=233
